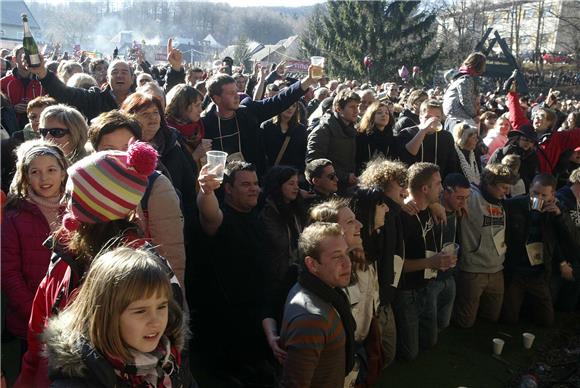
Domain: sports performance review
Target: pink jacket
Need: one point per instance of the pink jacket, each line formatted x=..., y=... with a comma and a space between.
x=24, y=262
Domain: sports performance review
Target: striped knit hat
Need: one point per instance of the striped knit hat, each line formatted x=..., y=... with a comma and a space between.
x=108, y=185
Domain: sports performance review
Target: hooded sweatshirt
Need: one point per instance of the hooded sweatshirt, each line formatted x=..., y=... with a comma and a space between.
x=486, y=220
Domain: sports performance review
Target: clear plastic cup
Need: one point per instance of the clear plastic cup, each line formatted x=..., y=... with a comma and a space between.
x=451, y=248
x=216, y=161
x=318, y=70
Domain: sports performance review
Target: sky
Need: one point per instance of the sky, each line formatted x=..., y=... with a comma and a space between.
x=233, y=3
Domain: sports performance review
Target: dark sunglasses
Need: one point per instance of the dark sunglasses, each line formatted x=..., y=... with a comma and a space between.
x=54, y=132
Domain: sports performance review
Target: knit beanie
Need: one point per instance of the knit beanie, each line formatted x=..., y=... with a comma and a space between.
x=108, y=185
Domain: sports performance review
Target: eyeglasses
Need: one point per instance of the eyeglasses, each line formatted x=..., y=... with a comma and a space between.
x=332, y=176
x=54, y=132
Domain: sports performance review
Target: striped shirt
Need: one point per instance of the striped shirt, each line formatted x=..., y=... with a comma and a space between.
x=313, y=335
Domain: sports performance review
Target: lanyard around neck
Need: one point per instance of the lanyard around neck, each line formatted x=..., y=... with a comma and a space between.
x=220, y=132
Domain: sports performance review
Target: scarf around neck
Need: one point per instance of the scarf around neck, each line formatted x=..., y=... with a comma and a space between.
x=468, y=167
x=338, y=299
x=149, y=370
x=468, y=70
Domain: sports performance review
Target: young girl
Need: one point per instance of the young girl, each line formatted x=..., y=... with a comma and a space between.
x=135, y=336
x=103, y=190
x=31, y=215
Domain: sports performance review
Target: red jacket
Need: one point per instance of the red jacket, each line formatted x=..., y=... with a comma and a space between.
x=24, y=262
x=59, y=285
x=555, y=144
x=552, y=145
x=12, y=86
x=517, y=114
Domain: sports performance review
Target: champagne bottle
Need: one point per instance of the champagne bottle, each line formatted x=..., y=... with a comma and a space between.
x=30, y=47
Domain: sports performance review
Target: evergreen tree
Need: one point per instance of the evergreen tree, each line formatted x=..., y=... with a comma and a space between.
x=393, y=33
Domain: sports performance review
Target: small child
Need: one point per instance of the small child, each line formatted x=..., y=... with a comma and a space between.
x=31, y=216
x=124, y=328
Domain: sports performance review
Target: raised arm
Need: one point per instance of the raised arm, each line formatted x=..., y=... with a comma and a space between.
x=210, y=214
x=517, y=115
x=270, y=107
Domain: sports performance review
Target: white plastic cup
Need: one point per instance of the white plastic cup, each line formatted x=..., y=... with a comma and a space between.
x=216, y=161
x=318, y=71
x=528, y=339
x=498, y=346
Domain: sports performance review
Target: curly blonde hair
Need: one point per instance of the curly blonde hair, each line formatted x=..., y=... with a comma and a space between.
x=379, y=172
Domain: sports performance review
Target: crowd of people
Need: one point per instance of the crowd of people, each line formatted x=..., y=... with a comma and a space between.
x=353, y=224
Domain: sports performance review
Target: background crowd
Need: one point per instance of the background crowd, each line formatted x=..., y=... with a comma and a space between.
x=353, y=224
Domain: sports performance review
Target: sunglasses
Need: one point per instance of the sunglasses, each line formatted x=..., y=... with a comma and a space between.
x=54, y=132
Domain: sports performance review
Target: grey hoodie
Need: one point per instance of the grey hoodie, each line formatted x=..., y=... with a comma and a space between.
x=484, y=220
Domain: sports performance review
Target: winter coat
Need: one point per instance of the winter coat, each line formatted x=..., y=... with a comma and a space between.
x=375, y=142
x=459, y=99
x=333, y=140
x=12, y=86
x=183, y=173
x=53, y=294
x=554, y=147
x=406, y=119
x=163, y=223
x=24, y=262
x=73, y=363
x=557, y=231
x=273, y=139
x=248, y=119
x=90, y=103
x=438, y=148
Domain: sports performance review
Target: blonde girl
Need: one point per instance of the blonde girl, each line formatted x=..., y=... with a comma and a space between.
x=31, y=215
x=123, y=328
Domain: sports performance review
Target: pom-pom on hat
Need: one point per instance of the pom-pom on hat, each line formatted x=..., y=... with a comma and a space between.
x=108, y=185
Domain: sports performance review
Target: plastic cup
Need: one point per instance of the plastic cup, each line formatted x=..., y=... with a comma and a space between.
x=498, y=346
x=451, y=248
x=216, y=161
x=318, y=70
x=528, y=339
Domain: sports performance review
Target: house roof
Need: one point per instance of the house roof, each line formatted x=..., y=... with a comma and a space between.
x=11, y=11
x=212, y=41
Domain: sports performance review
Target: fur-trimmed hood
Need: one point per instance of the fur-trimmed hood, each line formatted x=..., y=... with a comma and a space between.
x=73, y=356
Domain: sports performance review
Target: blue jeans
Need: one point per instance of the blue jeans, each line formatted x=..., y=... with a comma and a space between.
x=440, y=299
x=415, y=328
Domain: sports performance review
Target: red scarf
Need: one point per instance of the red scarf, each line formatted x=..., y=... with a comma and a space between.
x=468, y=70
x=193, y=132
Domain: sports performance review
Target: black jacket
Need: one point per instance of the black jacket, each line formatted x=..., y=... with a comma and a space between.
x=273, y=139
x=556, y=231
x=376, y=142
x=530, y=163
x=406, y=119
x=90, y=103
x=179, y=164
